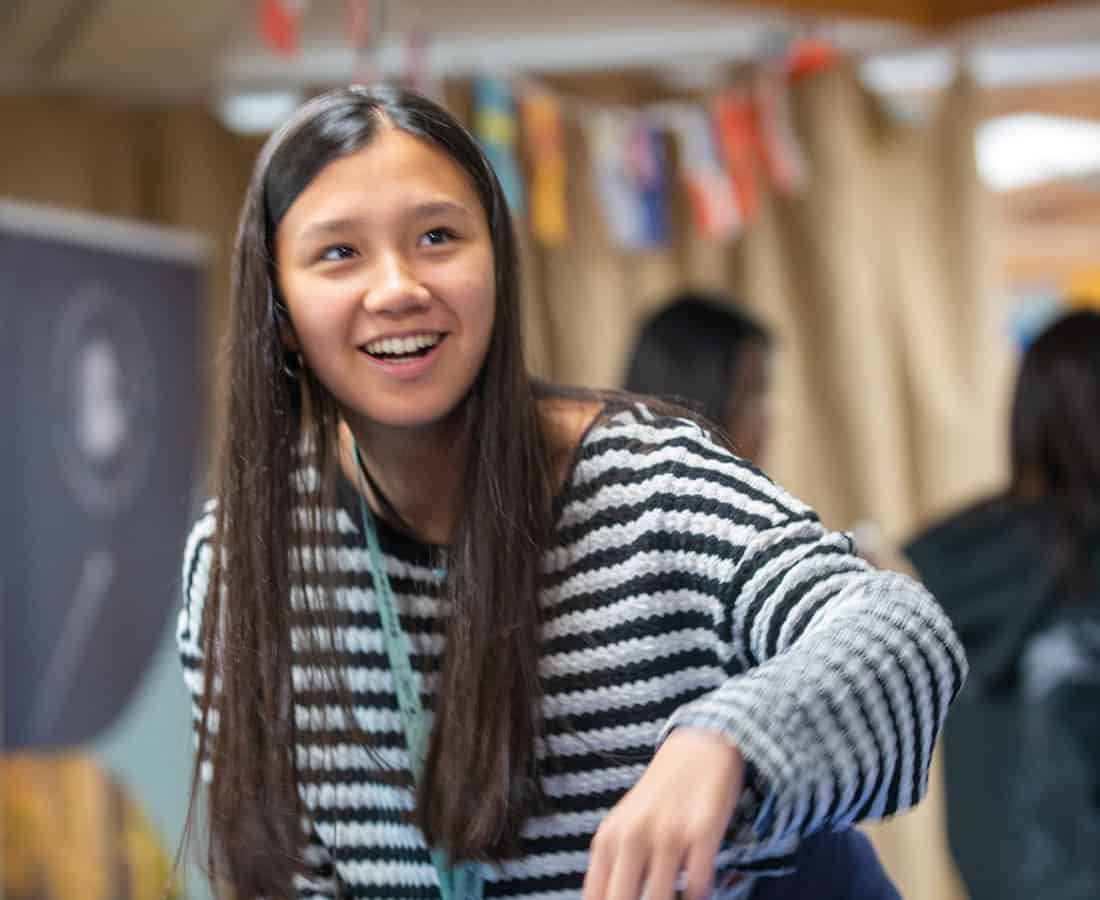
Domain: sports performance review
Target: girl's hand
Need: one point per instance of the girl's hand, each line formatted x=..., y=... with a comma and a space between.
x=671, y=822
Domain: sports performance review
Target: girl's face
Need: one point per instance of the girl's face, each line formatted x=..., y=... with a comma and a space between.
x=385, y=264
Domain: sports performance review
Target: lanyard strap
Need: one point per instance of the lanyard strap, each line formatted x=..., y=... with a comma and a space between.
x=462, y=882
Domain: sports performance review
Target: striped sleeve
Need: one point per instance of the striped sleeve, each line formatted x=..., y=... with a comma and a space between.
x=196, y=577
x=840, y=676
x=197, y=558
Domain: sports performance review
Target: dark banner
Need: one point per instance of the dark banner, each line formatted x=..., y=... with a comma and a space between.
x=100, y=418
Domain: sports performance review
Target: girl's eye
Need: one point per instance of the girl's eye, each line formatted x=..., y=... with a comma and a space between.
x=337, y=253
x=436, y=237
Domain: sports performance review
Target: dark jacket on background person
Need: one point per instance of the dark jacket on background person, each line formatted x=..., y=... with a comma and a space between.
x=1022, y=745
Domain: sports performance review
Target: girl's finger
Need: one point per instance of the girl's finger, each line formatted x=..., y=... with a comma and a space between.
x=599, y=870
x=662, y=871
x=699, y=870
x=627, y=871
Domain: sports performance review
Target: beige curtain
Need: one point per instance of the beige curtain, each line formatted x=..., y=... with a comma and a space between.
x=877, y=279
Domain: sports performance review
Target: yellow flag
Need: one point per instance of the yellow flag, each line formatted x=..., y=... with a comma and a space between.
x=1083, y=290
x=545, y=138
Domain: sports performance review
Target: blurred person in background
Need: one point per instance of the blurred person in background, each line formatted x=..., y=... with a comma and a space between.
x=704, y=352
x=1020, y=575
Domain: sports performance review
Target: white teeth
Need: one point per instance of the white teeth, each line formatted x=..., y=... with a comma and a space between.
x=402, y=346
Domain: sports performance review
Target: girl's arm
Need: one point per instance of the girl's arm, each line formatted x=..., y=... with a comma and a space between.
x=838, y=681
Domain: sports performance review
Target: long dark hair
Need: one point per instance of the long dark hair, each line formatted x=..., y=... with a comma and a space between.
x=1056, y=430
x=480, y=780
x=688, y=352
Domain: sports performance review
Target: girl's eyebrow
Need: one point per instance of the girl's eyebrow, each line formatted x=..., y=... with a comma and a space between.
x=441, y=207
x=331, y=226
x=420, y=210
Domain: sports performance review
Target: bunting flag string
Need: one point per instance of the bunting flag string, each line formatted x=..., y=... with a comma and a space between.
x=736, y=143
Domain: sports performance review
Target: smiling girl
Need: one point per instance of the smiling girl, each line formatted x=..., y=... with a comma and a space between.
x=454, y=633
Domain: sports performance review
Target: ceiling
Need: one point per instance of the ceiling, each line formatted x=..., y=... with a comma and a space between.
x=923, y=13
x=157, y=49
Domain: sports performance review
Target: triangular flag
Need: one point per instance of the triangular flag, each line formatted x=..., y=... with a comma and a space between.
x=738, y=137
x=810, y=56
x=544, y=134
x=279, y=25
x=713, y=201
x=1082, y=289
x=359, y=23
x=782, y=153
x=495, y=127
x=607, y=137
x=628, y=169
x=647, y=163
x=416, y=72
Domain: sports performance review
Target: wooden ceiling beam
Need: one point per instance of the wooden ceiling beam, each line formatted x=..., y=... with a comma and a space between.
x=1037, y=253
x=930, y=14
x=1076, y=99
x=1069, y=202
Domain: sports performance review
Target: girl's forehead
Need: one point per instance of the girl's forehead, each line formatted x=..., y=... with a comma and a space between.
x=396, y=171
x=394, y=155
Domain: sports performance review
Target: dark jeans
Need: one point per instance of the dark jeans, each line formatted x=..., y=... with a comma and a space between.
x=837, y=865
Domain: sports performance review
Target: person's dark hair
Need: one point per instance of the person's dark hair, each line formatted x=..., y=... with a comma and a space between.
x=688, y=352
x=480, y=780
x=1056, y=427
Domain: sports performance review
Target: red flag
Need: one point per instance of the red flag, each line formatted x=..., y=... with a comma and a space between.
x=808, y=57
x=359, y=23
x=714, y=202
x=739, y=140
x=279, y=25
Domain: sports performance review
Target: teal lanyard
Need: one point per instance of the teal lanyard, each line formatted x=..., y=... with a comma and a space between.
x=463, y=882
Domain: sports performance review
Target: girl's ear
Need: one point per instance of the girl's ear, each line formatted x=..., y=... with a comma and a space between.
x=287, y=336
x=281, y=316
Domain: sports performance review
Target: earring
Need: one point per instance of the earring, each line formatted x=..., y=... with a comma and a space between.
x=293, y=372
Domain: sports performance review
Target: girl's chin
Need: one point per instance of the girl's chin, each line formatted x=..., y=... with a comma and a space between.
x=405, y=417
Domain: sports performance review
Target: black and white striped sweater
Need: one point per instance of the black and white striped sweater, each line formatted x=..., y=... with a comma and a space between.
x=682, y=589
